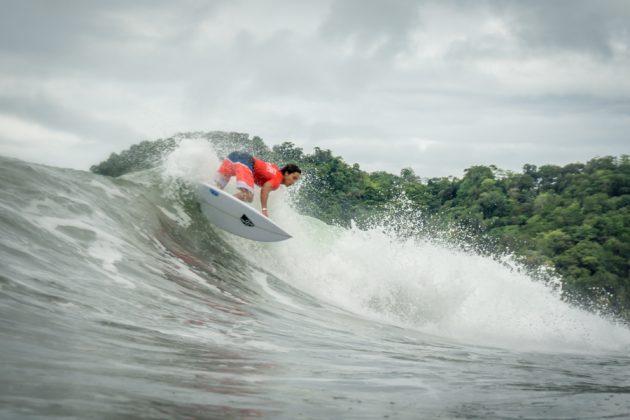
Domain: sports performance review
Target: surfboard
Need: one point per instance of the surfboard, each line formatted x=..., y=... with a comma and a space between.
x=231, y=214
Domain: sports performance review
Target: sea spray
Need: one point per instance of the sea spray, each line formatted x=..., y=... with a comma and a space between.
x=417, y=284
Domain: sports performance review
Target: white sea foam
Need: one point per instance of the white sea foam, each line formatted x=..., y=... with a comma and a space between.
x=193, y=160
x=109, y=190
x=432, y=288
x=177, y=215
x=261, y=279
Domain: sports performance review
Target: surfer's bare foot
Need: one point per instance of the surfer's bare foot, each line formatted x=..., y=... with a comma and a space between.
x=245, y=195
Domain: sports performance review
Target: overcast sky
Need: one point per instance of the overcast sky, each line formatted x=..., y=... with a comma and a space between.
x=434, y=85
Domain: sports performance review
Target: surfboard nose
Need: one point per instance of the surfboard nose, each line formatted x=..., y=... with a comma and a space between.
x=231, y=214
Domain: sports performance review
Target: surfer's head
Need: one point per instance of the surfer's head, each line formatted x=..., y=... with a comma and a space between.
x=290, y=174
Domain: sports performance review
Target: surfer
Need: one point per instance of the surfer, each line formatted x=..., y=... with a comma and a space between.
x=249, y=171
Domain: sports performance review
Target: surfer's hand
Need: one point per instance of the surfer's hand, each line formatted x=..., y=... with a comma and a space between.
x=265, y=212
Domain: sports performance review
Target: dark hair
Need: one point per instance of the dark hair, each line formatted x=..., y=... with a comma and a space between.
x=289, y=168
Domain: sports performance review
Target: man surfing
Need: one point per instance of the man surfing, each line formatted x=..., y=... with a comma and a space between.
x=249, y=171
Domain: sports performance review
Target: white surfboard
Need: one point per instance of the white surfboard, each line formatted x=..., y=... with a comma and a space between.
x=231, y=214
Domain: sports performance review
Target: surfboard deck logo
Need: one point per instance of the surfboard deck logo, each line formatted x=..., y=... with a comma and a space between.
x=231, y=214
x=246, y=221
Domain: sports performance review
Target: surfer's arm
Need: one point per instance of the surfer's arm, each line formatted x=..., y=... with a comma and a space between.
x=264, y=194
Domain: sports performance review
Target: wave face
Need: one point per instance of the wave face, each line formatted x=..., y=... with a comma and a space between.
x=117, y=298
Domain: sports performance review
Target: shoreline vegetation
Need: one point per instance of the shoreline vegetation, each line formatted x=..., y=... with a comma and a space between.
x=574, y=219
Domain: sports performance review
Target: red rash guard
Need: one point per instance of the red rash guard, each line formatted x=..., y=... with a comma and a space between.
x=265, y=171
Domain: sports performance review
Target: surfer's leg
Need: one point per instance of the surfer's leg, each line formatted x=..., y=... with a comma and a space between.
x=220, y=181
x=245, y=195
x=244, y=182
x=223, y=175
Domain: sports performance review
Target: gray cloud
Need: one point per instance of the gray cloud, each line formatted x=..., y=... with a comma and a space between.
x=380, y=28
x=51, y=114
x=435, y=85
x=575, y=25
